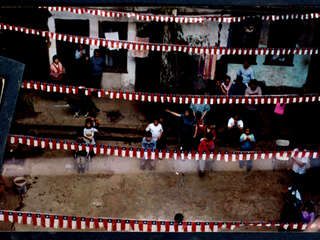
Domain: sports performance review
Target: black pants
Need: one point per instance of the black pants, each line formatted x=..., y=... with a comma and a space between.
x=296, y=181
x=186, y=140
x=96, y=81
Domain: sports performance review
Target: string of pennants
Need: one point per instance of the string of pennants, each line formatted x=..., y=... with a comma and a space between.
x=115, y=225
x=180, y=18
x=172, y=98
x=131, y=45
x=228, y=156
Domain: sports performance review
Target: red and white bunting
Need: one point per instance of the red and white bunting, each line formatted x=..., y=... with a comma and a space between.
x=181, y=18
x=173, y=98
x=154, y=154
x=164, y=47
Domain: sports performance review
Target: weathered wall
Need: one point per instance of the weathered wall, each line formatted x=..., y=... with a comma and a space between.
x=123, y=81
x=294, y=76
x=114, y=81
x=278, y=75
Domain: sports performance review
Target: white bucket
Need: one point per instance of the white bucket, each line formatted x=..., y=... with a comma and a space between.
x=21, y=186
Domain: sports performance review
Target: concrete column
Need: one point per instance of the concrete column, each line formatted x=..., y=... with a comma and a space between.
x=130, y=78
x=52, y=45
x=93, y=32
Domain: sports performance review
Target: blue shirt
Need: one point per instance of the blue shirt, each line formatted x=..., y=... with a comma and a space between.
x=98, y=65
x=200, y=107
x=247, y=74
x=236, y=89
x=246, y=144
x=187, y=124
x=149, y=145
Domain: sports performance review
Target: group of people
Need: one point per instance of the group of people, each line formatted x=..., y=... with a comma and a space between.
x=87, y=71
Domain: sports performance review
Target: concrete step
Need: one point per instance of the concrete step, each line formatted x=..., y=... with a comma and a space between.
x=124, y=133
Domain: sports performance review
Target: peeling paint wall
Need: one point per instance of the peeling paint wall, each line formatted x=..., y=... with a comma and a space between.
x=278, y=75
x=293, y=76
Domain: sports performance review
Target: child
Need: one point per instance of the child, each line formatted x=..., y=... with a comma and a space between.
x=95, y=122
x=148, y=143
x=246, y=141
x=206, y=145
x=88, y=132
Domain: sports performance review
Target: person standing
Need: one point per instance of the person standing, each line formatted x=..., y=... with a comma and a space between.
x=148, y=143
x=246, y=141
x=189, y=128
x=299, y=166
x=156, y=130
x=246, y=72
x=80, y=53
x=206, y=145
x=98, y=65
x=57, y=71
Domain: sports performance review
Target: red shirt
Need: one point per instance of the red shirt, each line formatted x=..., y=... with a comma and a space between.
x=204, y=147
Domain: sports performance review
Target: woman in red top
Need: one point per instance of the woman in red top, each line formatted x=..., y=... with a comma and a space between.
x=57, y=71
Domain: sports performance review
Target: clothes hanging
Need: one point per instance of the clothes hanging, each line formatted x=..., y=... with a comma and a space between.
x=207, y=66
x=140, y=53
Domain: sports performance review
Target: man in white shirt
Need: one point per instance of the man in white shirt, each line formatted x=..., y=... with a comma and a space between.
x=156, y=130
x=235, y=128
x=299, y=166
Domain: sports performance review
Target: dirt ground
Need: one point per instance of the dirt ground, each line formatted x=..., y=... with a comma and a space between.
x=129, y=193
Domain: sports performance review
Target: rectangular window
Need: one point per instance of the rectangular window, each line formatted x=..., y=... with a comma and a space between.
x=244, y=34
x=116, y=59
x=282, y=34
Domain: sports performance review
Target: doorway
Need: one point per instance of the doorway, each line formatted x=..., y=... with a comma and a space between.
x=66, y=50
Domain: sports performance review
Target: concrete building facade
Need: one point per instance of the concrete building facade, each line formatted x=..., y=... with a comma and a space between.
x=280, y=70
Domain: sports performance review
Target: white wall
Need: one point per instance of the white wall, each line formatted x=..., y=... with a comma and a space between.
x=123, y=81
x=112, y=81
